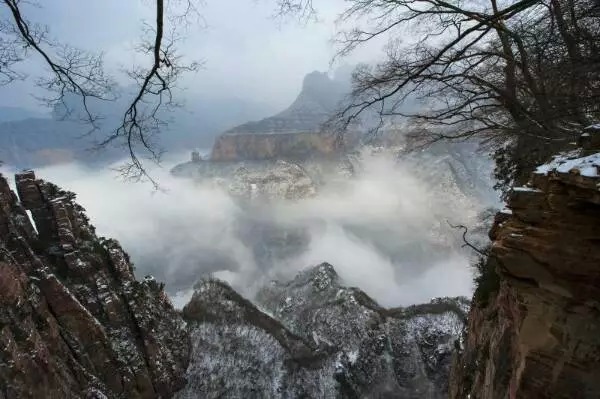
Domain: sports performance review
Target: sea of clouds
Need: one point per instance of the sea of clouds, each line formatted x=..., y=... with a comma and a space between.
x=385, y=231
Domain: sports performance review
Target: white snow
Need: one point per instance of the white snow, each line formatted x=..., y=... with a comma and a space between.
x=587, y=166
x=526, y=189
x=353, y=356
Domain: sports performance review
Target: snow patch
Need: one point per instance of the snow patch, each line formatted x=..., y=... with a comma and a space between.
x=526, y=189
x=588, y=166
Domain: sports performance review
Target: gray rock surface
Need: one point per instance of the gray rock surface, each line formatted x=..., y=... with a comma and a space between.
x=319, y=97
x=312, y=337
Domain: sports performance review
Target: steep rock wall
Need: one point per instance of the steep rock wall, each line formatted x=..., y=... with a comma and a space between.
x=535, y=332
x=298, y=145
x=74, y=322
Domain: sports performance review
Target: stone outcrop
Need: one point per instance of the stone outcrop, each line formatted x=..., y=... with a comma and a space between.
x=534, y=327
x=270, y=179
x=74, y=321
x=312, y=337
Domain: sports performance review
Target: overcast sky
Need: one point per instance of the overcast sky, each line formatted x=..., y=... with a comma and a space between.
x=246, y=52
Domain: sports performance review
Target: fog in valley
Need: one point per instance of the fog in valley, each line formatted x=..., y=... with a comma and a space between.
x=384, y=230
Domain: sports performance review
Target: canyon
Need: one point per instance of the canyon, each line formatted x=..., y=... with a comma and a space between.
x=75, y=322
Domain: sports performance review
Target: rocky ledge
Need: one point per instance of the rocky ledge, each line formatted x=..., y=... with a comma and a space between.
x=230, y=147
x=269, y=180
x=74, y=321
x=534, y=327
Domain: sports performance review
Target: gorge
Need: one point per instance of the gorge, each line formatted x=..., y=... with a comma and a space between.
x=76, y=323
x=288, y=268
x=72, y=309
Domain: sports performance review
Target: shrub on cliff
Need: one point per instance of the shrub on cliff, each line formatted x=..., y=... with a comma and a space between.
x=486, y=280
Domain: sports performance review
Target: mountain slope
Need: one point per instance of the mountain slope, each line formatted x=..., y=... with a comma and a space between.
x=316, y=338
x=34, y=141
x=74, y=322
x=294, y=133
x=318, y=98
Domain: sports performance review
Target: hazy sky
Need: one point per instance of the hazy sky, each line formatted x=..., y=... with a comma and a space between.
x=247, y=53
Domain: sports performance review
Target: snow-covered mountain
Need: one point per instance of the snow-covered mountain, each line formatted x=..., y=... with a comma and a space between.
x=313, y=337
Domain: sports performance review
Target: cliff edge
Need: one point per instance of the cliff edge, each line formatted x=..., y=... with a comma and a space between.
x=534, y=326
x=74, y=321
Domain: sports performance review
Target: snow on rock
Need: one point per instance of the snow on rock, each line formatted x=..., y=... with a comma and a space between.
x=268, y=179
x=593, y=127
x=317, y=338
x=588, y=166
x=74, y=322
x=285, y=180
x=533, y=326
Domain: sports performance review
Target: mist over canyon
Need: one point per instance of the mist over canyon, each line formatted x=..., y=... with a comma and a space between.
x=301, y=267
x=299, y=199
x=385, y=228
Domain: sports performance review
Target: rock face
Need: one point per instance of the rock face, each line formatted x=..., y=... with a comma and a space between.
x=313, y=337
x=318, y=97
x=535, y=331
x=74, y=322
x=294, y=133
x=284, y=181
x=258, y=146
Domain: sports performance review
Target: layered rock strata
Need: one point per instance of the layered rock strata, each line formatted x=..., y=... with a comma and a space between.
x=534, y=329
x=231, y=147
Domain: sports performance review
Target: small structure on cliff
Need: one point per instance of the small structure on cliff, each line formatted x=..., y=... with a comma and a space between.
x=196, y=156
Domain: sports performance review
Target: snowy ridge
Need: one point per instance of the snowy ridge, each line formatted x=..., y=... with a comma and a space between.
x=317, y=338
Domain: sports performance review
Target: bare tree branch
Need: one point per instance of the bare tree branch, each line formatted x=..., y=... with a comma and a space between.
x=76, y=73
x=465, y=230
x=73, y=71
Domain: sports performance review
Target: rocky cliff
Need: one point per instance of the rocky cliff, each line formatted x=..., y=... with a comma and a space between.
x=74, y=322
x=313, y=337
x=264, y=146
x=294, y=133
x=534, y=327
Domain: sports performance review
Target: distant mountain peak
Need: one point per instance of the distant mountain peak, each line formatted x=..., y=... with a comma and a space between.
x=318, y=99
